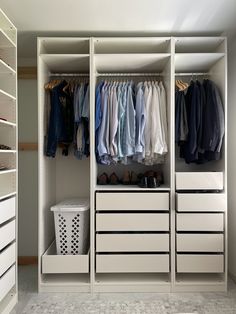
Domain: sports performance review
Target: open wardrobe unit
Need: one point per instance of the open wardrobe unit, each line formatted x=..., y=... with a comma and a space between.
x=150, y=155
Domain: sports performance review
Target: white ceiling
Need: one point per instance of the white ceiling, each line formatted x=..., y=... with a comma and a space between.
x=120, y=17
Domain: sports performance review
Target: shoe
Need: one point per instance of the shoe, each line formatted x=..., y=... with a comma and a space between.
x=134, y=178
x=103, y=179
x=143, y=182
x=114, y=180
x=126, y=178
x=159, y=177
x=152, y=182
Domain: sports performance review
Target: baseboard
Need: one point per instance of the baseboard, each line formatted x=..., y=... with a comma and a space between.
x=27, y=260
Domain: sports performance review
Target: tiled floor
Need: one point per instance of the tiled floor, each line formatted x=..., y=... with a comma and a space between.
x=30, y=302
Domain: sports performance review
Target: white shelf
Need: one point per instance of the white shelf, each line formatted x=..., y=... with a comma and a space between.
x=129, y=188
x=67, y=63
x=4, y=96
x=7, y=171
x=3, y=122
x=196, y=62
x=12, y=151
x=5, y=40
x=7, y=195
x=5, y=68
x=131, y=62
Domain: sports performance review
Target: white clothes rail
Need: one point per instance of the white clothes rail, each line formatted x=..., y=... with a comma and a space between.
x=70, y=74
x=192, y=74
x=128, y=74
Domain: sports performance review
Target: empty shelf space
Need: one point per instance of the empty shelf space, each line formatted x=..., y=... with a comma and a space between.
x=129, y=188
x=200, y=278
x=126, y=63
x=131, y=45
x=58, y=264
x=64, y=45
x=5, y=40
x=127, y=279
x=66, y=279
x=199, y=44
x=67, y=63
x=5, y=68
x=4, y=96
x=196, y=62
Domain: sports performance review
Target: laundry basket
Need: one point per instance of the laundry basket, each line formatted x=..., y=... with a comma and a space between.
x=71, y=218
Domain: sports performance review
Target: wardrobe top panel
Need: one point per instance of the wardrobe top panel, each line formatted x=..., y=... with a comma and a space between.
x=132, y=45
x=199, y=44
x=60, y=45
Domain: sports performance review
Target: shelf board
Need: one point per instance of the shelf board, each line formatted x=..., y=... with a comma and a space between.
x=131, y=62
x=12, y=151
x=3, y=122
x=196, y=62
x=5, y=68
x=5, y=40
x=7, y=195
x=122, y=187
x=4, y=96
x=7, y=171
x=67, y=63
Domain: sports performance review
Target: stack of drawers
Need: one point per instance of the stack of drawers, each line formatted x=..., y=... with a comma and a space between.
x=7, y=246
x=132, y=232
x=200, y=223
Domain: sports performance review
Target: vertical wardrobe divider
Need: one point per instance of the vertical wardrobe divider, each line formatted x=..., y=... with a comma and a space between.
x=9, y=165
x=133, y=232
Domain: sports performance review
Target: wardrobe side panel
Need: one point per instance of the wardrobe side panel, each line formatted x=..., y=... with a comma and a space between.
x=46, y=172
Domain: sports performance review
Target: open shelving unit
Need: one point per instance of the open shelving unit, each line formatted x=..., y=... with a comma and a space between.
x=8, y=160
x=121, y=214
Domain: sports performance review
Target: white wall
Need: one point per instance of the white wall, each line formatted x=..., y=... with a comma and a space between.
x=28, y=173
x=232, y=154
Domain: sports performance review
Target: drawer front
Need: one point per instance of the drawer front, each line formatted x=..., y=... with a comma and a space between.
x=7, y=209
x=199, y=180
x=119, y=263
x=7, y=281
x=132, y=242
x=132, y=201
x=200, y=263
x=7, y=234
x=200, y=243
x=196, y=202
x=7, y=258
x=200, y=222
x=132, y=222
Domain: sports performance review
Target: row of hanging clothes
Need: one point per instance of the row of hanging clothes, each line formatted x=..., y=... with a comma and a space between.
x=130, y=122
x=67, y=116
x=199, y=121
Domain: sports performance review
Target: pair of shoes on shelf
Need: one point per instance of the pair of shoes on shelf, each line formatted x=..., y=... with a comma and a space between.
x=103, y=179
x=130, y=178
x=151, y=179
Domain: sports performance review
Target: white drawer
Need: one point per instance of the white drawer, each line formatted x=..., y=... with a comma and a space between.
x=200, y=242
x=198, y=202
x=134, y=263
x=200, y=222
x=132, y=222
x=7, y=209
x=7, y=258
x=132, y=242
x=199, y=180
x=64, y=264
x=7, y=281
x=200, y=263
x=132, y=201
x=7, y=233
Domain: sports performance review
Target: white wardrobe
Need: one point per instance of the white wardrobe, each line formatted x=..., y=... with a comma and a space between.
x=8, y=164
x=172, y=238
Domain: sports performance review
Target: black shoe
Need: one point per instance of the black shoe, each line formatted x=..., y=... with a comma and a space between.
x=152, y=182
x=143, y=182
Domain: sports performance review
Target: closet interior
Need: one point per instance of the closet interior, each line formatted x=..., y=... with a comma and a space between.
x=8, y=165
x=141, y=239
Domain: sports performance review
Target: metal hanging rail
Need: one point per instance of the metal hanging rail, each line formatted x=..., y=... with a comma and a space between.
x=129, y=74
x=70, y=74
x=192, y=74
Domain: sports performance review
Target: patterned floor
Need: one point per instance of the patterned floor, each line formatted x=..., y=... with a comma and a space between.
x=30, y=302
